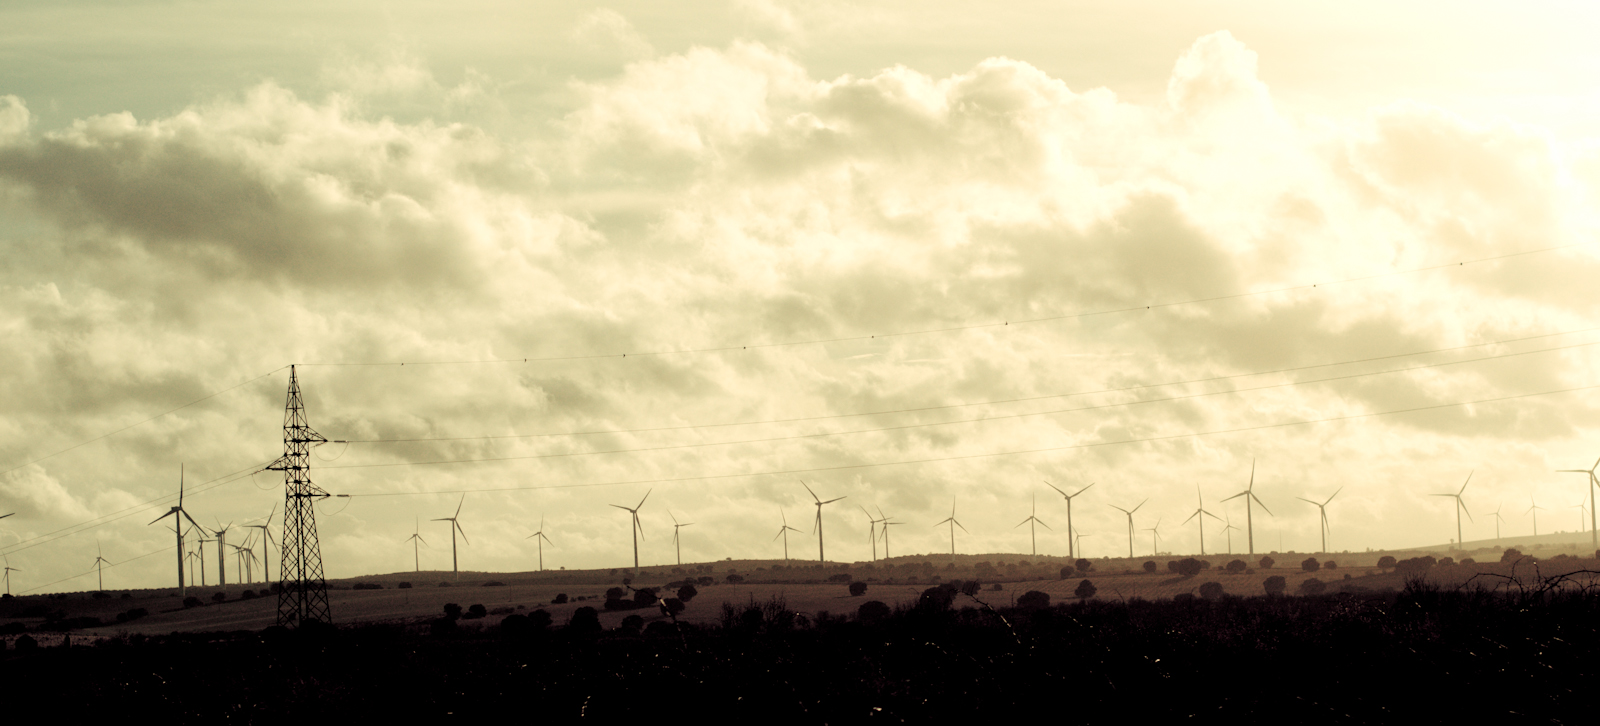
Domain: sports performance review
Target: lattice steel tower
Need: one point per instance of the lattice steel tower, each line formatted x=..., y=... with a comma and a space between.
x=304, y=594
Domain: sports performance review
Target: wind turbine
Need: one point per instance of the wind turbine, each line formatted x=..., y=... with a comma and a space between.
x=1497, y=520
x=872, y=533
x=1249, y=521
x=99, y=559
x=784, y=533
x=540, y=541
x=676, y=543
x=9, y=570
x=177, y=512
x=1324, y=527
x=885, y=521
x=416, y=536
x=1129, y=512
x=637, y=529
x=1031, y=521
x=1199, y=510
x=1228, y=528
x=1080, y=536
x=200, y=552
x=1155, y=537
x=191, y=556
x=455, y=526
x=222, y=542
x=1535, y=510
x=266, y=547
x=1460, y=507
x=821, y=557
x=1594, y=537
x=953, y=524
x=243, y=554
x=1582, y=510
x=1071, y=543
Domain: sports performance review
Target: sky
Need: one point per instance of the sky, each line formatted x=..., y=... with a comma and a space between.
x=537, y=261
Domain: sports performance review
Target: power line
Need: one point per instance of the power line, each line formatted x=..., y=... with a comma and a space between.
x=919, y=409
x=960, y=328
x=903, y=427
x=91, y=571
x=996, y=454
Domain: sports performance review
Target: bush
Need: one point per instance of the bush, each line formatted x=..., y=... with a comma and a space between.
x=494, y=583
x=1275, y=585
x=442, y=583
x=26, y=643
x=937, y=598
x=584, y=620
x=102, y=595
x=872, y=611
x=1085, y=590
x=133, y=614
x=1511, y=554
x=1266, y=563
x=1385, y=562
x=858, y=588
x=1150, y=566
x=1189, y=567
x=705, y=580
x=1311, y=564
x=687, y=592
x=442, y=626
x=734, y=578
x=1330, y=565
x=404, y=586
x=251, y=594
x=476, y=611
x=364, y=586
x=1312, y=586
x=1067, y=572
x=452, y=611
x=1464, y=561
x=996, y=587
x=192, y=602
x=632, y=624
x=1083, y=565
x=1034, y=600
x=1172, y=566
x=672, y=606
x=1415, y=566
x=645, y=597
x=515, y=624
x=615, y=593
x=561, y=598
x=1447, y=561
x=125, y=596
x=539, y=619
x=1237, y=566
x=839, y=577
x=1211, y=590
x=219, y=596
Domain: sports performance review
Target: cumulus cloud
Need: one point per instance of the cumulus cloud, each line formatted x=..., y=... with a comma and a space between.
x=728, y=197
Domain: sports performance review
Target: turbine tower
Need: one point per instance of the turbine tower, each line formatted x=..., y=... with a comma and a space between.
x=1155, y=537
x=200, y=552
x=222, y=543
x=784, y=533
x=872, y=533
x=676, y=543
x=1594, y=537
x=416, y=536
x=99, y=560
x=637, y=529
x=821, y=555
x=9, y=570
x=303, y=593
x=1227, y=529
x=266, y=548
x=1071, y=543
x=953, y=524
x=177, y=512
x=1079, y=536
x=1535, y=511
x=1031, y=521
x=1129, y=512
x=1323, y=509
x=455, y=526
x=1497, y=520
x=1249, y=496
x=541, y=539
x=886, y=522
x=1460, y=507
x=1199, y=510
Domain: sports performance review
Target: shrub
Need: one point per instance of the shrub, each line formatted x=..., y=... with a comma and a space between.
x=1150, y=566
x=1172, y=566
x=858, y=588
x=1447, y=561
x=491, y=583
x=404, y=586
x=1083, y=565
x=839, y=577
x=996, y=587
x=672, y=606
x=125, y=596
x=1237, y=566
x=1211, y=590
x=645, y=597
x=1385, y=562
x=219, y=596
x=442, y=583
x=1511, y=554
x=1312, y=586
x=1464, y=561
x=26, y=643
x=687, y=592
x=364, y=586
x=248, y=595
x=539, y=619
x=1275, y=585
x=1067, y=572
x=1266, y=563
x=734, y=578
x=615, y=593
x=515, y=624
x=705, y=580
x=561, y=598
x=1085, y=590
x=632, y=624
x=872, y=611
x=584, y=620
x=102, y=595
x=1415, y=566
x=1034, y=600
x=1311, y=564
x=133, y=614
x=1189, y=567
x=192, y=602
x=1330, y=565
x=937, y=598
x=442, y=626
x=452, y=611
x=476, y=611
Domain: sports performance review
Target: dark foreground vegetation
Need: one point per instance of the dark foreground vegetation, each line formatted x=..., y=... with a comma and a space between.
x=1419, y=654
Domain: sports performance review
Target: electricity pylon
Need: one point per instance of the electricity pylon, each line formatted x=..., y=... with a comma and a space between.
x=303, y=593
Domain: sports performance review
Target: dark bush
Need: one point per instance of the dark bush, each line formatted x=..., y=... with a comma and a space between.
x=734, y=578
x=13, y=628
x=1310, y=564
x=937, y=598
x=1266, y=563
x=366, y=586
x=1150, y=566
x=615, y=593
x=404, y=586
x=247, y=595
x=192, y=602
x=452, y=611
x=872, y=611
x=687, y=592
x=1067, y=572
x=1189, y=567
x=561, y=599
x=494, y=583
x=672, y=606
x=1386, y=562
x=219, y=596
x=1464, y=561
x=539, y=619
x=858, y=588
x=705, y=580
x=1330, y=565
x=133, y=614
x=1312, y=586
x=996, y=587
x=442, y=626
x=1034, y=600
x=102, y=595
x=1083, y=565
x=515, y=624
x=645, y=597
x=1275, y=585
x=26, y=643
x=839, y=577
x=1172, y=566
x=1511, y=554
x=1414, y=566
x=125, y=596
x=442, y=583
x=584, y=620
x=632, y=624
x=1237, y=566
x=1211, y=590
x=476, y=611
x=1085, y=590
x=1447, y=561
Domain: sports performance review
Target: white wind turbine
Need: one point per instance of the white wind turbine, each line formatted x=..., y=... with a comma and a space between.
x=886, y=522
x=1071, y=541
x=99, y=559
x=636, y=528
x=1249, y=521
x=539, y=538
x=1594, y=483
x=266, y=547
x=1031, y=521
x=953, y=524
x=222, y=543
x=1201, y=510
x=1323, y=509
x=1129, y=512
x=9, y=570
x=455, y=526
x=1155, y=537
x=177, y=512
x=784, y=533
x=1534, y=510
x=677, y=544
x=872, y=533
x=416, y=537
x=1460, y=507
x=821, y=555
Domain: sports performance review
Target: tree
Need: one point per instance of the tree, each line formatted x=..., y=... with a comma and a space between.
x=1312, y=586
x=1149, y=566
x=937, y=598
x=1511, y=554
x=687, y=592
x=477, y=610
x=192, y=602
x=672, y=606
x=1067, y=572
x=1330, y=565
x=645, y=597
x=560, y=599
x=452, y=611
x=584, y=620
x=735, y=578
x=1385, y=562
x=1034, y=600
x=1275, y=585
x=1172, y=566
x=1085, y=590
x=1464, y=561
x=858, y=588
x=1266, y=563
x=615, y=593
x=872, y=611
x=632, y=624
x=1083, y=565
x=1188, y=567
x=1311, y=564
x=1237, y=566
x=1447, y=561
x=1211, y=590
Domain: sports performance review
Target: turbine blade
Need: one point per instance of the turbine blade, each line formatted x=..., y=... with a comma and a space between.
x=646, y=496
x=1263, y=505
x=462, y=531
x=1052, y=486
x=1080, y=491
x=164, y=516
x=835, y=499
x=460, y=504
x=1468, y=481
x=808, y=490
x=1334, y=494
x=958, y=524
